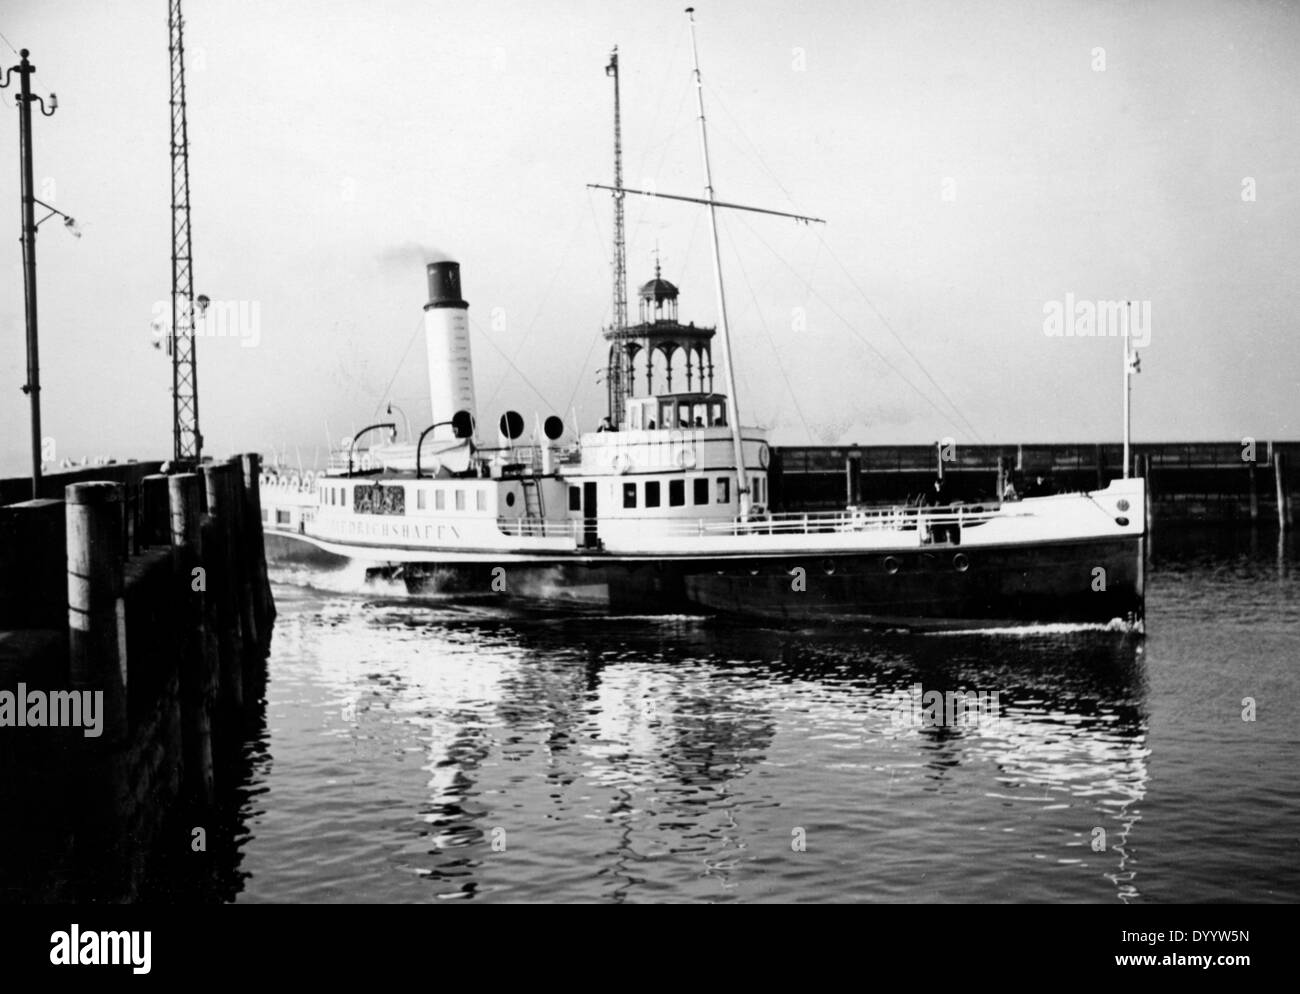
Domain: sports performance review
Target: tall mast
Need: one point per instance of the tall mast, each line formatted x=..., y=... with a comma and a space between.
x=733, y=414
x=187, y=441
x=616, y=383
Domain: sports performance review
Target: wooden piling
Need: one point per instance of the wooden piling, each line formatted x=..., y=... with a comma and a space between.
x=96, y=609
x=220, y=566
x=263, y=603
x=155, y=508
x=1145, y=471
x=33, y=568
x=1279, y=481
x=240, y=555
x=199, y=663
x=1253, y=475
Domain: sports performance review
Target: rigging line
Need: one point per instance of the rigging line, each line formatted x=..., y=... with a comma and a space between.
x=582, y=369
x=668, y=143
x=527, y=382
x=794, y=397
x=400, y=362
x=604, y=249
x=9, y=43
x=964, y=421
x=550, y=286
x=664, y=82
x=898, y=338
x=865, y=341
x=753, y=147
x=961, y=417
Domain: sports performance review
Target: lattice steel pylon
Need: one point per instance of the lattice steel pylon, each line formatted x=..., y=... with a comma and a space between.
x=187, y=441
x=615, y=377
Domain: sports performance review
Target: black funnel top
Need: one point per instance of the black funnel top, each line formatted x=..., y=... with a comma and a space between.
x=444, y=285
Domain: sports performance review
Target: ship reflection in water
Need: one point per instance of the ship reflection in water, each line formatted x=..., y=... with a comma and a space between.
x=418, y=750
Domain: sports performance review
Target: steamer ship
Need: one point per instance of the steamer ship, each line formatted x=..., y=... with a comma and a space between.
x=665, y=508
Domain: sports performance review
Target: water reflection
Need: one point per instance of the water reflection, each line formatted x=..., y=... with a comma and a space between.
x=430, y=749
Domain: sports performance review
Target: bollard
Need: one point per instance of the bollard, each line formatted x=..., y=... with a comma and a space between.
x=154, y=511
x=263, y=603
x=1254, y=490
x=219, y=560
x=200, y=666
x=239, y=553
x=96, y=610
x=33, y=565
x=1279, y=480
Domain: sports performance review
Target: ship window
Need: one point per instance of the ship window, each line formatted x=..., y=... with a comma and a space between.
x=281, y=517
x=460, y=500
x=652, y=493
x=480, y=500
x=666, y=415
x=510, y=499
x=636, y=417
x=676, y=493
x=719, y=416
x=702, y=490
x=440, y=499
x=575, y=498
x=266, y=515
x=629, y=495
x=724, y=490
x=421, y=499
x=758, y=490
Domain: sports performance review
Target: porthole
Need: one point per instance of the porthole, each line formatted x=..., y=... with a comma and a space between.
x=828, y=567
x=1122, y=521
x=1122, y=504
x=961, y=562
x=891, y=565
x=510, y=500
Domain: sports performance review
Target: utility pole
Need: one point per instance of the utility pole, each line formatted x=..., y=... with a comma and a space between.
x=187, y=440
x=33, y=385
x=617, y=384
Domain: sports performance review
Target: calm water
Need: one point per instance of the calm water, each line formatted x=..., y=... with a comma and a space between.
x=417, y=750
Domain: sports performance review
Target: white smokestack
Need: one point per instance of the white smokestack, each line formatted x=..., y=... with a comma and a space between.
x=446, y=335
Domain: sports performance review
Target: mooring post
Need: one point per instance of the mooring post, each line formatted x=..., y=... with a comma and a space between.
x=262, y=600
x=219, y=554
x=1144, y=471
x=96, y=609
x=199, y=662
x=1253, y=477
x=155, y=506
x=239, y=551
x=1279, y=479
x=33, y=565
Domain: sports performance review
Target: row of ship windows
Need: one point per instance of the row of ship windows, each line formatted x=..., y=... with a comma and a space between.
x=338, y=496
x=650, y=493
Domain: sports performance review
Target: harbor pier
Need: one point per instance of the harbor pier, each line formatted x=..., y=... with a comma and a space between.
x=135, y=621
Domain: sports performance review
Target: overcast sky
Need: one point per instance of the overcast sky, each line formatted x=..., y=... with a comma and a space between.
x=975, y=162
